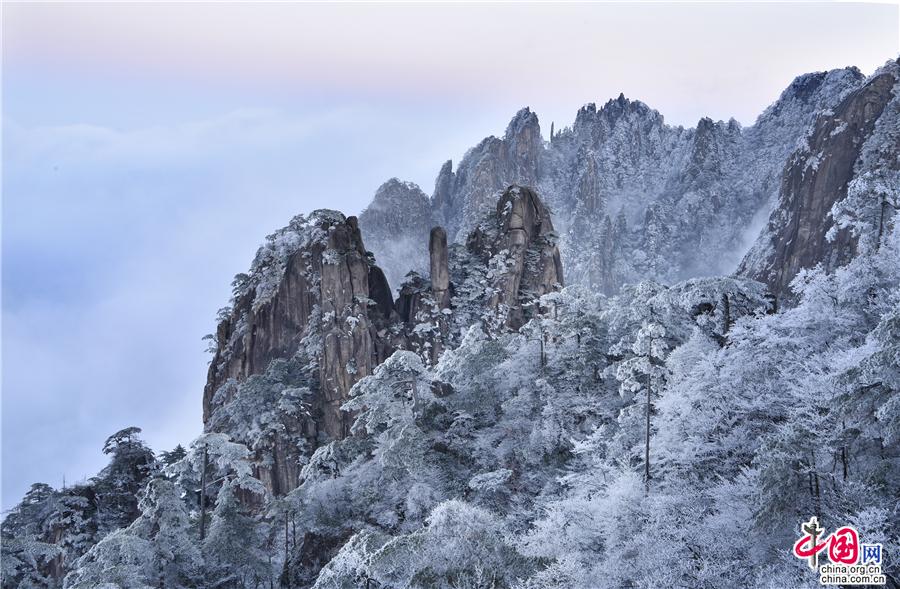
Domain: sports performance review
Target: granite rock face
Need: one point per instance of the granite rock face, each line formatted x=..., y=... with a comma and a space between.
x=439, y=262
x=349, y=347
x=531, y=266
x=815, y=178
x=313, y=297
x=635, y=199
x=316, y=314
x=330, y=272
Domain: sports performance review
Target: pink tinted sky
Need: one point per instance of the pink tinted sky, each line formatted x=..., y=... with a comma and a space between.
x=687, y=60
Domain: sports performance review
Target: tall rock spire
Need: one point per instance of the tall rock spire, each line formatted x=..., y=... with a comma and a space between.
x=440, y=267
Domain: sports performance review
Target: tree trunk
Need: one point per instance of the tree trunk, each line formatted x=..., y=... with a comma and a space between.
x=814, y=487
x=647, y=440
x=203, y=494
x=543, y=356
x=726, y=304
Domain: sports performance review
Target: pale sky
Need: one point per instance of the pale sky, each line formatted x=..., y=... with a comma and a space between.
x=149, y=148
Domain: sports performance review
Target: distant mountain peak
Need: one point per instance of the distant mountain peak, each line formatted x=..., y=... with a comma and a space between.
x=396, y=187
x=524, y=119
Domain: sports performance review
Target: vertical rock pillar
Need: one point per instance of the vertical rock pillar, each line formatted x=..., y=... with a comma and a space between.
x=440, y=267
x=440, y=286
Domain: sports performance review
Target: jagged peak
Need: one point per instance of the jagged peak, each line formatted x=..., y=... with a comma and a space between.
x=443, y=185
x=396, y=193
x=613, y=111
x=890, y=67
x=261, y=281
x=446, y=169
x=322, y=217
x=806, y=87
x=707, y=126
x=395, y=185
x=523, y=119
x=486, y=145
x=809, y=82
x=588, y=108
x=622, y=105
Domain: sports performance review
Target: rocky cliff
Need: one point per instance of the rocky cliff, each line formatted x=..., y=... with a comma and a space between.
x=462, y=198
x=314, y=298
x=315, y=315
x=801, y=230
x=322, y=281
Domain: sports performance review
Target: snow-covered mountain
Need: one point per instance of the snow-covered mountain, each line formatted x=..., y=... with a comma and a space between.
x=565, y=393
x=633, y=198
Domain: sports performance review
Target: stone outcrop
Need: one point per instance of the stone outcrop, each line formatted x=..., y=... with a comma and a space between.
x=314, y=294
x=524, y=147
x=712, y=150
x=815, y=178
x=439, y=258
x=316, y=297
x=530, y=264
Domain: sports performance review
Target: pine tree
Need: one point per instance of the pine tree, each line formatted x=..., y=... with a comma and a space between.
x=640, y=375
x=27, y=550
x=158, y=549
x=131, y=464
x=233, y=548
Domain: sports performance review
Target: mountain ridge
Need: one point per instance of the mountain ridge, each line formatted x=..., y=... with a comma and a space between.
x=677, y=188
